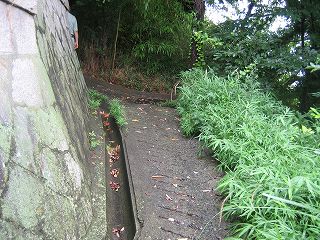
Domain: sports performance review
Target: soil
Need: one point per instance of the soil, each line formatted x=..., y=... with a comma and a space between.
x=174, y=187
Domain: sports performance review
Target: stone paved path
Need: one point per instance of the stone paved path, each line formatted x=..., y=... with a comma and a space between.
x=174, y=188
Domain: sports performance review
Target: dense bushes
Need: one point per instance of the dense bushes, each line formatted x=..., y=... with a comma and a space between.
x=272, y=181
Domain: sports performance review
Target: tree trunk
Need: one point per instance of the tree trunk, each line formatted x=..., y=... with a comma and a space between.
x=304, y=96
x=115, y=45
x=199, y=8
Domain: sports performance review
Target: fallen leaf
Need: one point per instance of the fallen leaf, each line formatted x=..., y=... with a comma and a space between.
x=104, y=114
x=115, y=172
x=114, y=154
x=117, y=231
x=106, y=123
x=207, y=190
x=114, y=186
x=168, y=197
x=157, y=176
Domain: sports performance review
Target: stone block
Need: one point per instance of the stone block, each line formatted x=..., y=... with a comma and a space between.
x=22, y=26
x=54, y=172
x=6, y=39
x=25, y=84
x=9, y=231
x=59, y=217
x=23, y=200
x=3, y=170
x=26, y=145
x=50, y=128
x=5, y=93
x=6, y=133
x=75, y=171
x=84, y=210
x=30, y=5
x=47, y=94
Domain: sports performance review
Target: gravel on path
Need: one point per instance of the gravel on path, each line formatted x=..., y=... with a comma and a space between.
x=174, y=187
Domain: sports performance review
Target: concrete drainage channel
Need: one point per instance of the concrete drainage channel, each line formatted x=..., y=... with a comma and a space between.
x=121, y=205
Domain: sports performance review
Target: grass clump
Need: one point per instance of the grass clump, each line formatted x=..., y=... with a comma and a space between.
x=117, y=111
x=95, y=99
x=93, y=140
x=169, y=103
x=272, y=181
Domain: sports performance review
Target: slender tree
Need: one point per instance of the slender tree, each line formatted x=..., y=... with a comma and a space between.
x=199, y=9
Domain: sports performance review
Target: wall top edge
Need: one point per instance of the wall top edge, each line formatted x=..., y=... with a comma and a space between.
x=30, y=6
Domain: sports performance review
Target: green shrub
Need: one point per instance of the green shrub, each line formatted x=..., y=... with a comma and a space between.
x=117, y=111
x=272, y=181
x=95, y=99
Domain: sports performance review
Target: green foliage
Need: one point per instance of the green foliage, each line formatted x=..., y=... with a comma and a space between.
x=199, y=38
x=159, y=34
x=93, y=140
x=276, y=63
x=153, y=35
x=95, y=99
x=169, y=103
x=315, y=67
x=272, y=166
x=281, y=57
x=117, y=111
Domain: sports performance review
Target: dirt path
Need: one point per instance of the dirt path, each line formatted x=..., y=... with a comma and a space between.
x=174, y=188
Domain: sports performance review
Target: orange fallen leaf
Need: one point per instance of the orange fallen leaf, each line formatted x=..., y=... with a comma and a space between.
x=115, y=172
x=117, y=231
x=114, y=154
x=114, y=186
x=157, y=176
x=104, y=115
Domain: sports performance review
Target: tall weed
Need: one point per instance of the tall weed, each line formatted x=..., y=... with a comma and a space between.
x=272, y=181
x=118, y=112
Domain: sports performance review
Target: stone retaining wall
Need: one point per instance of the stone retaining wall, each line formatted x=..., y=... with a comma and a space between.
x=45, y=183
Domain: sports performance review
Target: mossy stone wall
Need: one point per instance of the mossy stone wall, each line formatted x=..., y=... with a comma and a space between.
x=45, y=181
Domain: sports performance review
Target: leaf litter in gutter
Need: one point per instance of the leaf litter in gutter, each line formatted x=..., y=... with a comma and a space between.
x=114, y=154
x=115, y=172
x=117, y=231
x=114, y=186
